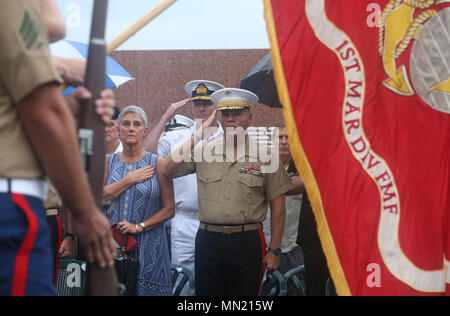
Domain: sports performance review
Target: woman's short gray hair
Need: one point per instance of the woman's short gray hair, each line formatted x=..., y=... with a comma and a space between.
x=133, y=109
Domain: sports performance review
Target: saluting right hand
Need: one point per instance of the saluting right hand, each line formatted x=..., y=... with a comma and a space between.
x=200, y=133
x=174, y=107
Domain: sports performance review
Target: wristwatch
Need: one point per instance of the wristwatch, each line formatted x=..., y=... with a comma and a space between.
x=276, y=251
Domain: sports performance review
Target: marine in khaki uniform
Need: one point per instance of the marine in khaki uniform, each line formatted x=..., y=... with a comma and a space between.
x=234, y=188
x=37, y=133
x=184, y=225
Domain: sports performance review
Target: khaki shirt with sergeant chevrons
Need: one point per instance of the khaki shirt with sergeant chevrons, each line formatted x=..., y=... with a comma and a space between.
x=25, y=64
x=228, y=197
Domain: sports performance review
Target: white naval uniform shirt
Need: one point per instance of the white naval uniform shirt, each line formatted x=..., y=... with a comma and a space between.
x=119, y=148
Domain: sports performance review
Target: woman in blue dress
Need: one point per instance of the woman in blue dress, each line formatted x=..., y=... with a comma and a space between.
x=142, y=201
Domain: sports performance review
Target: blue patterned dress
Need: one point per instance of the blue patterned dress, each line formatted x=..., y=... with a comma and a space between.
x=135, y=205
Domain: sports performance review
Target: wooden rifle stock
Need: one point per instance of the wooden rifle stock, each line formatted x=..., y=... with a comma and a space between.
x=100, y=282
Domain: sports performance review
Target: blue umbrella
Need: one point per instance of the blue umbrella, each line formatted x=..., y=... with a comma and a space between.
x=115, y=74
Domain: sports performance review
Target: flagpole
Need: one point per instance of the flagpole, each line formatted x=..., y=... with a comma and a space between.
x=136, y=27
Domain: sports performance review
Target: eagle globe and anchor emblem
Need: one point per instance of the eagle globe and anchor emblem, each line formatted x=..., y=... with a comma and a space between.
x=426, y=22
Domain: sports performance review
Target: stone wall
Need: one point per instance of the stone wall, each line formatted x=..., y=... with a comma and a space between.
x=160, y=77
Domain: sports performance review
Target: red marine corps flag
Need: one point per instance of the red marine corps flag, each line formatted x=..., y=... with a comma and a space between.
x=368, y=112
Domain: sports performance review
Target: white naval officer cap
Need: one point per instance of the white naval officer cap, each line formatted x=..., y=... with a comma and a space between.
x=230, y=99
x=202, y=89
x=179, y=122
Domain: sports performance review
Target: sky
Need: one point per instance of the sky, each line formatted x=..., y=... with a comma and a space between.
x=187, y=24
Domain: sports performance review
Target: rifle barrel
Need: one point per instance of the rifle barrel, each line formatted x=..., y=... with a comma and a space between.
x=100, y=282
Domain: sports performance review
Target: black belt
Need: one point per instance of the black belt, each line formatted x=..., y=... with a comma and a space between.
x=230, y=229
